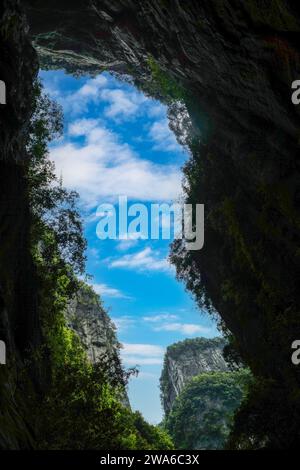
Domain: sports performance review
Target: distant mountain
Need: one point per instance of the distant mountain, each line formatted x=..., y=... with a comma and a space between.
x=87, y=317
x=187, y=359
x=200, y=394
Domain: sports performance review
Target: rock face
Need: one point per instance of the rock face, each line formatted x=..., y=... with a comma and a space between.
x=187, y=359
x=19, y=318
x=86, y=316
x=18, y=67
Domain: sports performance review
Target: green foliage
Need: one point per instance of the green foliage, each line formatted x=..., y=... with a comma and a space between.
x=167, y=86
x=53, y=207
x=151, y=437
x=248, y=267
x=202, y=415
x=161, y=85
x=83, y=408
x=193, y=344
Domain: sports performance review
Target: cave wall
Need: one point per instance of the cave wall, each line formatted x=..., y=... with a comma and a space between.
x=19, y=320
x=237, y=60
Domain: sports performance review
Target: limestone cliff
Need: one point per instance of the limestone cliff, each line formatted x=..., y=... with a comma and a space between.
x=187, y=359
x=87, y=317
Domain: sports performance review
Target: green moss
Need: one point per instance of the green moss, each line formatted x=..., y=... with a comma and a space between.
x=163, y=85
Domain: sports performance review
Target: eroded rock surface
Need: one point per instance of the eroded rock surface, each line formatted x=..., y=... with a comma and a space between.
x=187, y=359
x=87, y=317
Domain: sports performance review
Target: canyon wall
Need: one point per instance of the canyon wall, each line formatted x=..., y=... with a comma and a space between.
x=87, y=317
x=200, y=393
x=187, y=359
x=19, y=318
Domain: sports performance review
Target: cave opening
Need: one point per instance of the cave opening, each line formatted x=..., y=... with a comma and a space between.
x=119, y=141
x=233, y=67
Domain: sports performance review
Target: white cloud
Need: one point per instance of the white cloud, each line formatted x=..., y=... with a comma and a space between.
x=122, y=101
x=141, y=349
x=162, y=136
x=122, y=104
x=105, y=290
x=93, y=253
x=91, y=218
x=77, y=103
x=92, y=86
x=156, y=110
x=125, y=245
x=124, y=322
x=145, y=260
x=142, y=361
x=142, y=354
x=103, y=165
x=160, y=317
x=184, y=328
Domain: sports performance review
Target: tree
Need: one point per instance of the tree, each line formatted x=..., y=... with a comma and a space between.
x=53, y=207
x=202, y=415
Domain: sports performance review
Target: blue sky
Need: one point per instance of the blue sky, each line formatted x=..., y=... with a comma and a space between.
x=117, y=142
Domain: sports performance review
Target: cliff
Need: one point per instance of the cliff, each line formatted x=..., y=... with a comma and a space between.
x=200, y=393
x=187, y=359
x=202, y=414
x=87, y=317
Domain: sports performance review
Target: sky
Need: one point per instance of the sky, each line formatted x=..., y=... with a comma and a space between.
x=117, y=142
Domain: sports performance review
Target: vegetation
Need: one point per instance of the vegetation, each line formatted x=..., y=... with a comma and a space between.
x=202, y=415
x=80, y=406
x=197, y=344
x=83, y=409
x=161, y=85
x=165, y=84
x=247, y=270
x=178, y=349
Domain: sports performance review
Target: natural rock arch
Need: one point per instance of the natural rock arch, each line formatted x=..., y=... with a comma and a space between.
x=237, y=60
